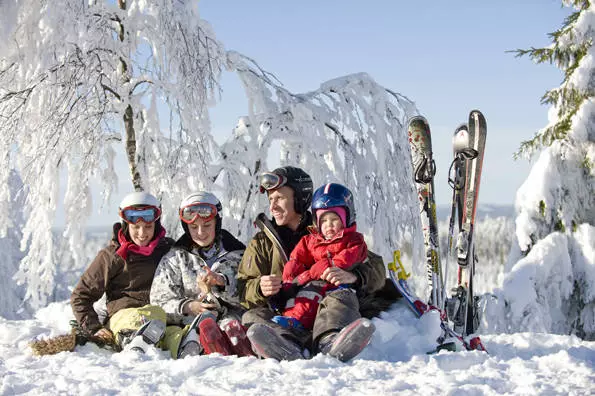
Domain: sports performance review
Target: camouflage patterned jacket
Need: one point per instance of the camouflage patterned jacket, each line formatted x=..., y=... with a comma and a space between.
x=176, y=278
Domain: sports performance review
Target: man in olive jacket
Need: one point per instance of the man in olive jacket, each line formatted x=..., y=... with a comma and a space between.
x=260, y=272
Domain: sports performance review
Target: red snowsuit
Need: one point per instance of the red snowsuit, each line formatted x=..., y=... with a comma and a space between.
x=312, y=255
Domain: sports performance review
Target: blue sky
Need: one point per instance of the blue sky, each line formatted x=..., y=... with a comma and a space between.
x=448, y=57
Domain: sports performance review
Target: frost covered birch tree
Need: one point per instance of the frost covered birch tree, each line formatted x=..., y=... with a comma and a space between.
x=81, y=82
x=84, y=80
x=550, y=285
x=351, y=130
x=11, y=297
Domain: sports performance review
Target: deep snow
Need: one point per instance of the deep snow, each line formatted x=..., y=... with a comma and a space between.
x=394, y=363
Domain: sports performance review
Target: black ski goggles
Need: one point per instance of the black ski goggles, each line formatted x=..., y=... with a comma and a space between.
x=134, y=214
x=203, y=210
x=271, y=181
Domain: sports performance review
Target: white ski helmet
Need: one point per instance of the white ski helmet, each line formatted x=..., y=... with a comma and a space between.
x=199, y=197
x=139, y=198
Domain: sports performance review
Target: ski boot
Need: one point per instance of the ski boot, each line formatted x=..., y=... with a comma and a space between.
x=267, y=343
x=213, y=339
x=349, y=342
x=190, y=344
x=149, y=334
x=236, y=334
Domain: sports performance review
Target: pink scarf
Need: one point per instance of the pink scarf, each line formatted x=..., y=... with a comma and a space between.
x=126, y=246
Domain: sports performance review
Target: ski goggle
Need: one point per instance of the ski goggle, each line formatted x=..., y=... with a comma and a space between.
x=203, y=210
x=271, y=181
x=134, y=214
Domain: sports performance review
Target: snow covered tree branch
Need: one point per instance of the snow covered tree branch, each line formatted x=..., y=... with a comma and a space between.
x=85, y=81
x=72, y=79
x=351, y=130
x=569, y=47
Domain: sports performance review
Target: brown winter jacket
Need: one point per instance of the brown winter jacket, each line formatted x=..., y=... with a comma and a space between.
x=126, y=283
x=262, y=258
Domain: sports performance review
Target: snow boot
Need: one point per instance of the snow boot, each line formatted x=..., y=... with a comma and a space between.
x=267, y=343
x=213, y=339
x=236, y=333
x=149, y=334
x=190, y=344
x=349, y=342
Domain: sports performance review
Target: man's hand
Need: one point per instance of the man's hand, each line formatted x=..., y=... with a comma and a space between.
x=270, y=284
x=338, y=277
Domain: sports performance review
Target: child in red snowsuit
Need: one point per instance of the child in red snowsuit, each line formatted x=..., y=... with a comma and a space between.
x=332, y=243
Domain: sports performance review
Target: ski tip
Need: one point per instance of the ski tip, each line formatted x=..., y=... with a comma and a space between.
x=418, y=124
x=477, y=115
x=417, y=119
x=462, y=127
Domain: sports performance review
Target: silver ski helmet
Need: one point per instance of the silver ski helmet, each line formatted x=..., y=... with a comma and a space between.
x=295, y=178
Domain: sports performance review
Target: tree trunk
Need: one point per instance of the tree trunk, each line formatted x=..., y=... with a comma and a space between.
x=130, y=143
x=131, y=148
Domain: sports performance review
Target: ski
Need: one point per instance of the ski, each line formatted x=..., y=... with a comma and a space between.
x=456, y=179
x=465, y=316
x=424, y=169
x=399, y=276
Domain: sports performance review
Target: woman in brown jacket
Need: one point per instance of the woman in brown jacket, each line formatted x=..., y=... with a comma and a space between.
x=124, y=271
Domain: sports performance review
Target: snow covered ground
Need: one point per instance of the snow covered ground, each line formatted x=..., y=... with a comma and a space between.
x=394, y=363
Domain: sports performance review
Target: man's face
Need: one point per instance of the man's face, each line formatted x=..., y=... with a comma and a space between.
x=281, y=207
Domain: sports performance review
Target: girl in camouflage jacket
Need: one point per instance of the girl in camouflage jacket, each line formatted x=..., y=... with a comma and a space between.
x=195, y=283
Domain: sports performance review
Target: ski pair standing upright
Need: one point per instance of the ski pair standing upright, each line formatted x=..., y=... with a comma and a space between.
x=468, y=146
x=464, y=177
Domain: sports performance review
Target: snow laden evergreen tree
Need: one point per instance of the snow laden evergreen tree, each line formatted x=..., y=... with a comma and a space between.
x=550, y=285
x=83, y=80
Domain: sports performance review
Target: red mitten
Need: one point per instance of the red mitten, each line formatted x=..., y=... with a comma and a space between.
x=318, y=268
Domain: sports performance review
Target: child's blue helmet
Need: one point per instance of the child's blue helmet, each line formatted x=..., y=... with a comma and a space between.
x=334, y=195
